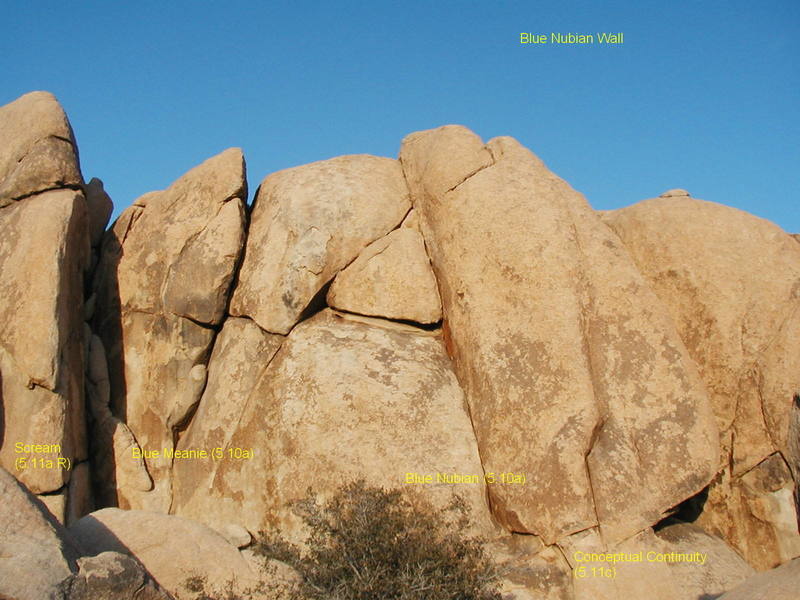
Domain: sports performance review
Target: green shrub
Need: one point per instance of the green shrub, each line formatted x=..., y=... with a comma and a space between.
x=367, y=543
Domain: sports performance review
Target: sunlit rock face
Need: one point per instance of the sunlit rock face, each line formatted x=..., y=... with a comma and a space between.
x=44, y=255
x=457, y=323
x=732, y=284
x=573, y=369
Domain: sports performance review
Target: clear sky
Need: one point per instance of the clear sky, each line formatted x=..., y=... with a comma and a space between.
x=702, y=95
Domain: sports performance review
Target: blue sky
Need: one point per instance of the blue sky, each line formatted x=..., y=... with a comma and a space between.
x=702, y=95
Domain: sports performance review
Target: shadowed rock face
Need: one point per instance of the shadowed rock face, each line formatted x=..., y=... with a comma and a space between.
x=36, y=552
x=732, y=284
x=163, y=283
x=573, y=369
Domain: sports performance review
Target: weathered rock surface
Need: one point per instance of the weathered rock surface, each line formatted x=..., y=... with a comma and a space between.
x=43, y=252
x=623, y=570
x=38, y=150
x=573, y=370
x=391, y=278
x=309, y=222
x=345, y=398
x=36, y=555
x=176, y=252
x=527, y=571
x=172, y=549
x=112, y=576
x=723, y=568
x=780, y=583
x=732, y=284
x=242, y=352
x=163, y=283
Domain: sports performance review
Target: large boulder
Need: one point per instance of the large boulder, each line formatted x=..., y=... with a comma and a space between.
x=575, y=375
x=732, y=284
x=308, y=223
x=36, y=554
x=177, y=552
x=344, y=398
x=99, y=207
x=391, y=278
x=37, y=148
x=162, y=286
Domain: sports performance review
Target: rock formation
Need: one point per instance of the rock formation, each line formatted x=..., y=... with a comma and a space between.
x=589, y=392
x=732, y=284
x=458, y=323
x=44, y=252
x=162, y=286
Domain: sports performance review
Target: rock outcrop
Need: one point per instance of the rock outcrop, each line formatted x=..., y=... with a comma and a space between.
x=392, y=278
x=458, y=323
x=732, y=284
x=344, y=398
x=163, y=283
x=574, y=373
x=44, y=253
x=35, y=555
x=780, y=583
x=307, y=224
x=38, y=148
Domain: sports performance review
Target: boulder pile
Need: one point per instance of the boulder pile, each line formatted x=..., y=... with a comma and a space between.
x=601, y=389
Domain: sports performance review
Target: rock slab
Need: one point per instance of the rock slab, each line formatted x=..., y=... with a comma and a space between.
x=573, y=370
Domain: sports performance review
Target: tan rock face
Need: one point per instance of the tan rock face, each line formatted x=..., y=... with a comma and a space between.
x=345, y=399
x=38, y=150
x=163, y=280
x=722, y=570
x=391, y=278
x=43, y=252
x=242, y=352
x=36, y=553
x=781, y=583
x=308, y=223
x=176, y=254
x=732, y=284
x=573, y=370
x=171, y=548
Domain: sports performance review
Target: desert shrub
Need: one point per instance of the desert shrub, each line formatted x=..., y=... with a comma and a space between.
x=367, y=543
